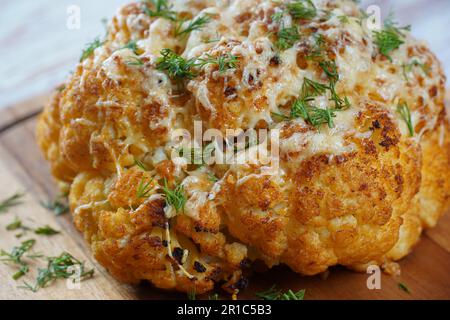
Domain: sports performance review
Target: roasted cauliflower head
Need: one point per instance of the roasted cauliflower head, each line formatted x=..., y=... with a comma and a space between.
x=362, y=140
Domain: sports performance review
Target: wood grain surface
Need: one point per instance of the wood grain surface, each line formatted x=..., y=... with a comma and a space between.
x=426, y=271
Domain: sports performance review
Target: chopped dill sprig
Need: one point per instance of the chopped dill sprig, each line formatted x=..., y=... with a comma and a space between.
x=46, y=231
x=132, y=45
x=287, y=37
x=191, y=295
x=63, y=266
x=176, y=66
x=302, y=9
x=275, y=294
x=408, y=67
x=403, y=287
x=57, y=206
x=175, y=197
x=224, y=61
x=140, y=164
x=196, y=24
x=213, y=296
x=12, y=201
x=90, y=48
x=144, y=188
x=134, y=61
x=311, y=114
x=160, y=9
x=16, y=255
x=405, y=113
x=390, y=38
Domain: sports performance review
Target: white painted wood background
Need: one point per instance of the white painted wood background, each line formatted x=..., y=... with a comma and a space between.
x=37, y=50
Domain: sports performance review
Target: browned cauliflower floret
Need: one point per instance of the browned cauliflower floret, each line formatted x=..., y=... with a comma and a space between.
x=363, y=148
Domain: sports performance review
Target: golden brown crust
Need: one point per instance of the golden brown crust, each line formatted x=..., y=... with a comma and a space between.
x=355, y=194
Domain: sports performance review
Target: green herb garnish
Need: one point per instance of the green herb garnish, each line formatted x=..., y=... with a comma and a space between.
x=11, y=201
x=302, y=9
x=287, y=37
x=403, y=287
x=90, y=48
x=132, y=45
x=274, y=294
x=176, y=66
x=405, y=113
x=144, y=188
x=224, y=61
x=389, y=38
x=62, y=267
x=46, y=230
x=57, y=206
x=193, y=25
x=408, y=67
x=175, y=197
x=140, y=164
x=161, y=10
x=134, y=61
x=16, y=255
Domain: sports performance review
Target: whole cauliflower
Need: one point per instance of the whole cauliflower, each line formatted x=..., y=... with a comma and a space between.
x=364, y=140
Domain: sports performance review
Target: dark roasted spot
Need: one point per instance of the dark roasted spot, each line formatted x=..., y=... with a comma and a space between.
x=275, y=61
x=230, y=91
x=177, y=254
x=199, y=267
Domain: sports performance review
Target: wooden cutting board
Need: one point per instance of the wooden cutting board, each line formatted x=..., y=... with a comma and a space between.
x=426, y=271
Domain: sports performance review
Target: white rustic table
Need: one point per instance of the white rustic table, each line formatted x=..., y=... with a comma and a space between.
x=37, y=49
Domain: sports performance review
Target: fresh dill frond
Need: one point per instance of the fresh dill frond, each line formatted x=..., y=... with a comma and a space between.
x=132, y=45
x=16, y=224
x=140, y=164
x=134, y=61
x=46, y=231
x=311, y=114
x=160, y=9
x=63, y=266
x=213, y=296
x=16, y=255
x=175, y=197
x=405, y=113
x=277, y=17
x=390, y=37
x=344, y=19
x=90, y=48
x=302, y=9
x=287, y=37
x=144, y=188
x=275, y=294
x=12, y=201
x=330, y=69
x=212, y=177
x=196, y=24
x=312, y=88
x=224, y=61
x=176, y=66
x=191, y=295
x=408, y=67
x=404, y=287
x=58, y=206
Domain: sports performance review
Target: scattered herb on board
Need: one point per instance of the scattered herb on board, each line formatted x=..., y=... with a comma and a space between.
x=403, y=287
x=12, y=201
x=275, y=294
x=63, y=266
x=17, y=254
x=58, y=206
